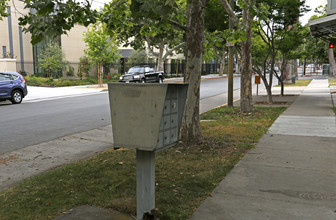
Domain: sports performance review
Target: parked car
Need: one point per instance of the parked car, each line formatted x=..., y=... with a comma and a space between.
x=143, y=74
x=12, y=87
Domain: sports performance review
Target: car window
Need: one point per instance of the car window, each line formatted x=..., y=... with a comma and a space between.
x=134, y=70
x=14, y=77
x=147, y=69
x=4, y=77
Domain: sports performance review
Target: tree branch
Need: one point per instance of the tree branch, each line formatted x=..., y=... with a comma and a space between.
x=150, y=48
x=229, y=11
x=169, y=51
x=178, y=25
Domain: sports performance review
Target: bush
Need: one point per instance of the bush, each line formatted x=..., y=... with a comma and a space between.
x=71, y=71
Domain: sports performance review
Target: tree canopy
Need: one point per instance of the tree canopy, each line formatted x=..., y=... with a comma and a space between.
x=3, y=8
x=55, y=17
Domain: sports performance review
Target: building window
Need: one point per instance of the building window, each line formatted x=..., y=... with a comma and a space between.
x=4, y=51
x=332, y=4
x=331, y=7
x=38, y=48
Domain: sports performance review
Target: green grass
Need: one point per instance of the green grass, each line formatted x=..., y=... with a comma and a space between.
x=332, y=82
x=62, y=82
x=185, y=175
x=298, y=82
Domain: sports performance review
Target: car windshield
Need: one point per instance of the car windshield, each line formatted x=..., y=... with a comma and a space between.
x=134, y=70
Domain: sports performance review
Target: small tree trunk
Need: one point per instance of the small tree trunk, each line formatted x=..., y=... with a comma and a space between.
x=304, y=66
x=267, y=86
x=331, y=60
x=98, y=66
x=282, y=88
x=101, y=74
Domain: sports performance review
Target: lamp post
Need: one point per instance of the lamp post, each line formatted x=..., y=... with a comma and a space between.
x=230, y=64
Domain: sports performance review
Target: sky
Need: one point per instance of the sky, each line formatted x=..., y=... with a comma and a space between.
x=312, y=4
x=304, y=19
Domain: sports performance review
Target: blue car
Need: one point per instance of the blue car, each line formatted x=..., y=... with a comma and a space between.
x=12, y=87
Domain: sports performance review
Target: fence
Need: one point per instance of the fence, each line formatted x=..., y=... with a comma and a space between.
x=173, y=69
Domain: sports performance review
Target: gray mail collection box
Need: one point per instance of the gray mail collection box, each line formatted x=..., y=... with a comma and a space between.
x=146, y=116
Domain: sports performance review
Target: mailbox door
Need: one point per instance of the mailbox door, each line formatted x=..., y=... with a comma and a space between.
x=136, y=111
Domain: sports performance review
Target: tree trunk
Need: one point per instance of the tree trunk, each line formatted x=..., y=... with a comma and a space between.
x=246, y=83
x=101, y=73
x=267, y=86
x=190, y=129
x=268, y=90
x=160, y=58
x=98, y=72
x=304, y=66
x=331, y=60
x=282, y=88
x=222, y=63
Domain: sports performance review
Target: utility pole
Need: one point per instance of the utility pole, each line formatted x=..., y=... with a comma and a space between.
x=230, y=64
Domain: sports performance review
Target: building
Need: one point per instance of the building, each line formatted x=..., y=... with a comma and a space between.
x=16, y=44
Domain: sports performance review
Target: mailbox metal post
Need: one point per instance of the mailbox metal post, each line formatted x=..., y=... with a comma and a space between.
x=147, y=118
x=145, y=188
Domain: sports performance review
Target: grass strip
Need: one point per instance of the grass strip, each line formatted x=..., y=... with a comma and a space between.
x=185, y=175
x=62, y=82
x=332, y=81
x=298, y=82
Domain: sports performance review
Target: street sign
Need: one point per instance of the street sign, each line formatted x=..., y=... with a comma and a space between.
x=257, y=79
x=229, y=44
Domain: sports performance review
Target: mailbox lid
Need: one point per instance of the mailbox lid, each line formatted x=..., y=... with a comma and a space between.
x=136, y=111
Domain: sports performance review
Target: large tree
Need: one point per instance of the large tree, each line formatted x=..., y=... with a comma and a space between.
x=244, y=29
x=275, y=22
x=130, y=22
x=216, y=22
x=167, y=12
x=55, y=17
x=317, y=48
x=191, y=130
x=171, y=14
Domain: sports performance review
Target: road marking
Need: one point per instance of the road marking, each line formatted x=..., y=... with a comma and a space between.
x=60, y=97
x=226, y=103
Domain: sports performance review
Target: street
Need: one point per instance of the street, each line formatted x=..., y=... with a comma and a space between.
x=35, y=122
x=32, y=123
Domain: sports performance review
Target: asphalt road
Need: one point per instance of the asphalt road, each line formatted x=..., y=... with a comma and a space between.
x=217, y=86
x=32, y=123
x=36, y=122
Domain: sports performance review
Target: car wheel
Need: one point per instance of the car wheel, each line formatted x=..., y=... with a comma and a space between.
x=160, y=80
x=16, y=97
x=143, y=81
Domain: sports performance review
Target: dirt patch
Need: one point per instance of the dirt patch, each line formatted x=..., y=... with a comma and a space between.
x=290, y=95
x=6, y=160
x=277, y=103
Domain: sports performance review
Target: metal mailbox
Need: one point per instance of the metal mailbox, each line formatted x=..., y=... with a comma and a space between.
x=146, y=116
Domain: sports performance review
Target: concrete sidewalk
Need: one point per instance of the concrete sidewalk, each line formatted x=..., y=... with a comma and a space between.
x=291, y=173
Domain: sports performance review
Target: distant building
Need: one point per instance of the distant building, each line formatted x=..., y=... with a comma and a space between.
x=16, y=44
